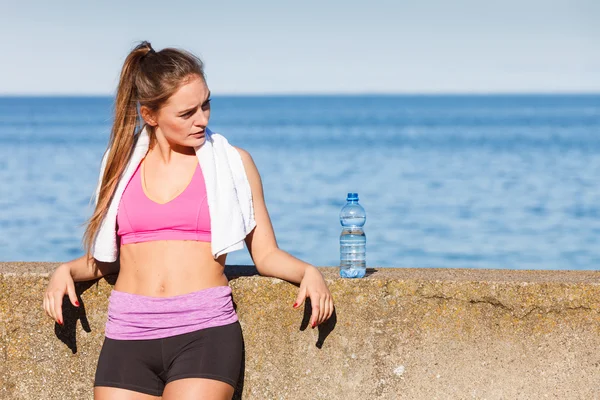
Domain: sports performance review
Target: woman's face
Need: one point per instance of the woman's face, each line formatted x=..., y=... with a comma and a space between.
x=182, y=120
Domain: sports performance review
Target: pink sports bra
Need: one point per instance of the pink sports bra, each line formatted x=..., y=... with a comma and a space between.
x=186, y=217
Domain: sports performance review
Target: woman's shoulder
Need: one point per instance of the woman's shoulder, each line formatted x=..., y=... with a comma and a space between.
x=221, y=140
x=248, y=163
x=244, y=155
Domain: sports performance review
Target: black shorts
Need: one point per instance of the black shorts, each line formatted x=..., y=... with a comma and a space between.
x=146, y=366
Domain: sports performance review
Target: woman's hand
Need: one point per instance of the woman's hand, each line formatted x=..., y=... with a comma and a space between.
x=61, y=283
x=313, y=285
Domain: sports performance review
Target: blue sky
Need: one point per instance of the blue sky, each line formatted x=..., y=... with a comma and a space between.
x=260, y=46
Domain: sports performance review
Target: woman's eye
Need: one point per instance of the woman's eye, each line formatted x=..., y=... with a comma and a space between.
x=206, y=104
x=188, y=114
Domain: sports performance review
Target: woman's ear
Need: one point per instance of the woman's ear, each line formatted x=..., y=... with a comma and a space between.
x=148, y=116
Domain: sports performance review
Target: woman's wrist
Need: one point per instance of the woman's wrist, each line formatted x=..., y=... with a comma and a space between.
x=76, y=267
x=310, y=269
x=65, y=267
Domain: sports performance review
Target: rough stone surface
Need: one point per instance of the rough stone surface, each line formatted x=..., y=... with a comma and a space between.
x=396, y=334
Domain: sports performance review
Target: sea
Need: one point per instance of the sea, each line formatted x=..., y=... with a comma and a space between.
x=447, y=181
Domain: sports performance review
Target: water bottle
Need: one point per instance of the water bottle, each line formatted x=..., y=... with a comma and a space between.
x=353, y=242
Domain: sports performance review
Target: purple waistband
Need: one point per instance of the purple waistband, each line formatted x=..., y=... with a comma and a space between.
x=135, y=317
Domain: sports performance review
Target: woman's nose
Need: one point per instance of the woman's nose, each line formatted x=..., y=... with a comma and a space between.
x=201, y=119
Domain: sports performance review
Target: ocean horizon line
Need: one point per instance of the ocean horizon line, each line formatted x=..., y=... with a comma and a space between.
x=322, y=95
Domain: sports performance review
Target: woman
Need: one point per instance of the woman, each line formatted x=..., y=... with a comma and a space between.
x=172, y=200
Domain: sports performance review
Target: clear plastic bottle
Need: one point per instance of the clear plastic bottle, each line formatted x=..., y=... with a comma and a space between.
x=353, y=241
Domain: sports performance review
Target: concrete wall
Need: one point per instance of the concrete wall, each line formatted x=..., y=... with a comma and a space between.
x=397, y=334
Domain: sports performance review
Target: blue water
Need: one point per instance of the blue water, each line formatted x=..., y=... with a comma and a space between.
x=446, y=181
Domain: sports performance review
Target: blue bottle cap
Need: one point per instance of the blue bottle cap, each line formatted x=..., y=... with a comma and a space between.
x=352, y=197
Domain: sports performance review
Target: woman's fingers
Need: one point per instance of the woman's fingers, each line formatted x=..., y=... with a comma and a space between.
x=45, y=305
x=322, y=305
x=61, y=284
x=58, y=308
x=322, y=309
x=50, y=306
x=72, y=294
x=315, y=312
x=328, y=312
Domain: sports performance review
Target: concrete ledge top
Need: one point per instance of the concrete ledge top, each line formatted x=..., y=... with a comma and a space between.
x=399, y=333
x=44, y=269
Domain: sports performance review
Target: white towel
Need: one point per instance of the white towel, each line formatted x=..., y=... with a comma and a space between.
x=227, y=189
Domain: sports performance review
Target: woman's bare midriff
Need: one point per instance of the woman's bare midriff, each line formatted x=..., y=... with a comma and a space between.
x=169, y=268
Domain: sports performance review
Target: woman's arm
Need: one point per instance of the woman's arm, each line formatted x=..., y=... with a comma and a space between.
x=87, y=269
x=270, y=260
x=275, y=262
x=62, y=282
